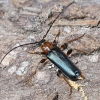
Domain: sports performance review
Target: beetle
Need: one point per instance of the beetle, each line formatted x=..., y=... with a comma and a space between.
x=55, y=54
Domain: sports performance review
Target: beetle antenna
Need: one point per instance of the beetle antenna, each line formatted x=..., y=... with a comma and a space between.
x=38, y=42
x=15, y=48
x=56, y=19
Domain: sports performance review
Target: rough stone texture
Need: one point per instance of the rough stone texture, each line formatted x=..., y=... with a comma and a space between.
x=24, y=21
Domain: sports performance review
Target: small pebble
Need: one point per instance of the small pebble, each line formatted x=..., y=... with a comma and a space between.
x=31, y=38
x=1, y=36
x=12, y=69
x=7, y=60
x=42, y=77
x=67, y=29
x=51, y=66
x=25, y=48
x=16, y=45
x=94, y=58
x=25, y=64
x=12, y=53
x=23, y=69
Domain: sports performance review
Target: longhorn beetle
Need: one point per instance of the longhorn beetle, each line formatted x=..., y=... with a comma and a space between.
x=56, y=56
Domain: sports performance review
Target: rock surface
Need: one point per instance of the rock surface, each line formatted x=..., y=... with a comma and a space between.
x=25, y=21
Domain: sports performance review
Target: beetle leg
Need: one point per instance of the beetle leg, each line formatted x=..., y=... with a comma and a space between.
x=65, y=45
x=75, y=39
x=60, y=74
x=68, y=84
x=84, y=52
x=81, y=77
x=55, y=40
x=56, y=96
x=69, y=52
x=40, y=53
x=57, y=35
x=29, y=78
